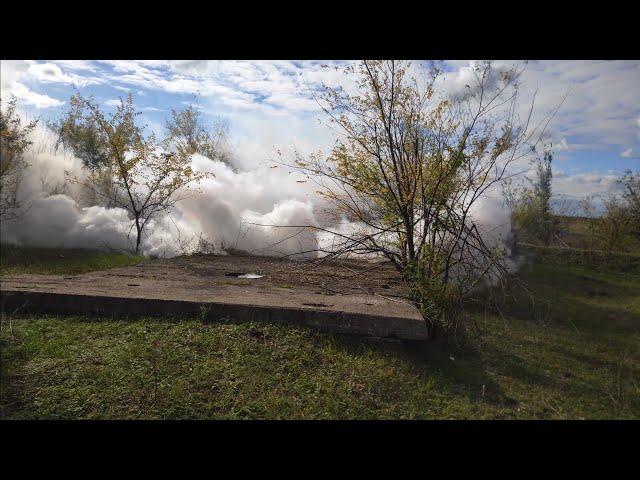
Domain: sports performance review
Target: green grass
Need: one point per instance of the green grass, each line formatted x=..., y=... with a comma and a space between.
x=571, y=353
x=595, y=259
x=50, y=261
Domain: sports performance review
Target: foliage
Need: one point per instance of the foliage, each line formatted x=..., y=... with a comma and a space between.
x=615, y=229
x=630, y=182
x=602, y=260
x=529, y=204
x=188, y=134
x=542, y=196
x=136, y=175
x=14, y=141
x=411, y=164
x=615, y=225
x=81, y=135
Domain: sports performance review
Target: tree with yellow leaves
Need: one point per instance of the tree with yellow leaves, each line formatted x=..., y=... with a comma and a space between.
x=14, y=141
x=133, y=171
x=409, y=167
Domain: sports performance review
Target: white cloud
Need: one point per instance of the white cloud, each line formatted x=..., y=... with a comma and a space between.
x=564, y=145
x=270, y=104
x=11, y=72
x=52, y=73
x=581, y=185
x=30, y=97
x=601, y=106
x=244, y=85
x=78, y=65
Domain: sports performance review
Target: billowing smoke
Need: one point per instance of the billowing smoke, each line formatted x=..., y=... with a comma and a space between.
x=492, y=218
x=260, y=211
x=229, y=210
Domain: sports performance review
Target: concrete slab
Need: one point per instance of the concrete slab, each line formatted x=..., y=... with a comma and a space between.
x=344, y=298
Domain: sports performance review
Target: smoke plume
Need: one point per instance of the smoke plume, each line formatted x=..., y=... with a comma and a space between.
x=244, y=210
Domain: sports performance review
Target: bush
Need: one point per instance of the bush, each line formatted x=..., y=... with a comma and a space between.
x=440, y=304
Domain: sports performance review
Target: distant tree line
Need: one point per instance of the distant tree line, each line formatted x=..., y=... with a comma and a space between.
x=615, y=228
x=618, y=227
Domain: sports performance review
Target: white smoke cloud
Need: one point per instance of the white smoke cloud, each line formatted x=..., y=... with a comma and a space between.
x=57, y=221
x=260, y=211
x=228, y=210
x=50, y=215
x=491, y=217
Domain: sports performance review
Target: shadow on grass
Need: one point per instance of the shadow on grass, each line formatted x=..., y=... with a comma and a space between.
x=464, y=376
x=464, y=372
x=459, y=372
x=487, y=369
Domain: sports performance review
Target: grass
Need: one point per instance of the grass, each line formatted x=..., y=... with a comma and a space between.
x=595, y=259
x=572, y=352
x=49, y=261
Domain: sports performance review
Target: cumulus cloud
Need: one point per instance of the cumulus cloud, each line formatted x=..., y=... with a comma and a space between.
x=52, y=73
x=587, y=183
x=29, y=97
x=600, y=110
x=12, y=76
x=244, y=85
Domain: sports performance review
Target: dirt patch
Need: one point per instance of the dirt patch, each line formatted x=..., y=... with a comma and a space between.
x=328, y=277
x=374, y=290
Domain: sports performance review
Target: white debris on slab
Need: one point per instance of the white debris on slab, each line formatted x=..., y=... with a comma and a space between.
x=250, y=275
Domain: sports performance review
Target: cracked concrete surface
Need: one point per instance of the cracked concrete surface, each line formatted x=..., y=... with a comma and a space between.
x=346, y=297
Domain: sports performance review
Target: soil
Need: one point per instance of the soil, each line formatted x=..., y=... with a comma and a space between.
x=343, y=277
x=347, y=286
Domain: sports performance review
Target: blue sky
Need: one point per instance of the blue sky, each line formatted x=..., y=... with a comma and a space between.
x=267, y=105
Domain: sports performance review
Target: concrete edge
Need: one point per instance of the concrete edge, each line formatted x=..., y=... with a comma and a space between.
x=329, y=321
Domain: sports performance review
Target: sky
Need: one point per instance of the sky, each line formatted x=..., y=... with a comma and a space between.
x=268, y=106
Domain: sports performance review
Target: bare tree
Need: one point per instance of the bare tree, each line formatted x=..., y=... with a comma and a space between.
x=14, y=141
x=136, y=174
x=410, y=167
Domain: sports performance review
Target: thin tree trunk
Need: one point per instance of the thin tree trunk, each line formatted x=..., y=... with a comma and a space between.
x=139, y=237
